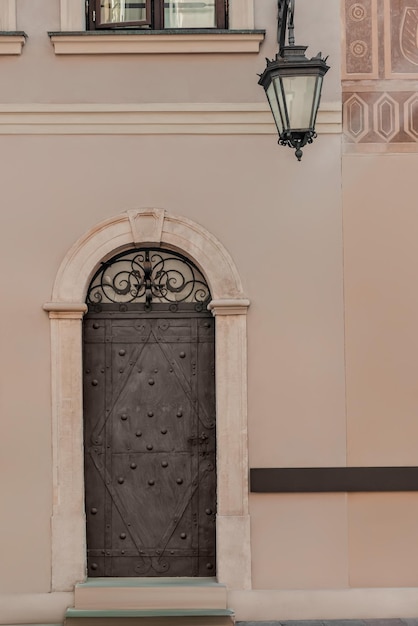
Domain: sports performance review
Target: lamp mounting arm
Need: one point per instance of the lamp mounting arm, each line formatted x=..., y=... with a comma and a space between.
x=285, y=22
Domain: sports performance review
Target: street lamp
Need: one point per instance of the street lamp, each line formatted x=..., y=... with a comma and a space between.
x=293, y=85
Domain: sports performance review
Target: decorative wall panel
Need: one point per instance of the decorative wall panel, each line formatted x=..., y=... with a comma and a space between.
x=401, y=38
x=360, y=57
x=380, y=75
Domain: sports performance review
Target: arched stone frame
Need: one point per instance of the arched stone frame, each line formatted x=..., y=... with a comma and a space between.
x=66, y=310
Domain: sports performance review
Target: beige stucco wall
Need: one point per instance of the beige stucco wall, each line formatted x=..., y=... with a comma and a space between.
x=380, y=259
x=326, y=256
x=380, y=226
x=68, y=189
x=39, y=76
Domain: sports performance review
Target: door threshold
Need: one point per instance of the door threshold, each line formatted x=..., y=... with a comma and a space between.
x=151, y=594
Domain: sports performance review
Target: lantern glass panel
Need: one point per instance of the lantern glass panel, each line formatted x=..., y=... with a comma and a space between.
x=315, y=107
x=300, y=95
x=273, y=101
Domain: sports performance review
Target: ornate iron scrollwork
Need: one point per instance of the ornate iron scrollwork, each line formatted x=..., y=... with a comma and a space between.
x=148, y=275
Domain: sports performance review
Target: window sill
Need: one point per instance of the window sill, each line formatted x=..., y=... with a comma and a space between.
x=158, y=42
x=12, y=42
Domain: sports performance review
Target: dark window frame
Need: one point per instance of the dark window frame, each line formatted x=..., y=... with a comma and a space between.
x=154, y=19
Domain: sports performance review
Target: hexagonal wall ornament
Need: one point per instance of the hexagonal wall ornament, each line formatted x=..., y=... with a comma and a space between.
x=411, y=117
x=386, y=117
x=356, y=119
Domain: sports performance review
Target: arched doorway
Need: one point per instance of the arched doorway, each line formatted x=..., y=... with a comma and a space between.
x=149, y=227
x=149, y=418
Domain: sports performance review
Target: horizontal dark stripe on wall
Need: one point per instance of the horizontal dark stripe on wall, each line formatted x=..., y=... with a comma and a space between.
x=332, y=479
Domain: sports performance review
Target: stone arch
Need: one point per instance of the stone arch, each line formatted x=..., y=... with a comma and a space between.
x=156, y=227
x=66, y=310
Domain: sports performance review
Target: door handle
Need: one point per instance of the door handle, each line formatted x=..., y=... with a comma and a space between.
x=198, y=439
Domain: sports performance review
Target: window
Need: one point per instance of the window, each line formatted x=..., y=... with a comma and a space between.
x=156, y=27
x=157, y=14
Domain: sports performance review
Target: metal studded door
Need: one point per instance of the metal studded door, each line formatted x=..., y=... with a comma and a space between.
x=150, y=443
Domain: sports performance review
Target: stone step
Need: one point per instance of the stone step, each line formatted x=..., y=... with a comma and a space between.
x=150, y=594
x=169, y=617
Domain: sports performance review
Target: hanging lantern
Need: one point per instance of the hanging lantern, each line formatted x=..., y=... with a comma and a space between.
x=293, y=85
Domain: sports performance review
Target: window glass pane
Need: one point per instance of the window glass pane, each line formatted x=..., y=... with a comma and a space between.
x=113, y=11
x=189, y=14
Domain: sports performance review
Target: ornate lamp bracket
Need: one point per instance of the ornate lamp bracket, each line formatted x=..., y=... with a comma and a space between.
x=286, y=22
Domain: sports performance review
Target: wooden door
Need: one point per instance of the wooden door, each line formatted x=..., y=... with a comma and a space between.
x=150, y=442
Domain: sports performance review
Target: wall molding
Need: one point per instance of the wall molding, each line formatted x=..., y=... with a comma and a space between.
x=152, y=119
x=258, y=605
x=34, y=608
x=157, y=42
x=12, y=42
x=323, y=604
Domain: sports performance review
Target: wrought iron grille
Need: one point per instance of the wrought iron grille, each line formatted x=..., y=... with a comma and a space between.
x=147, y=275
